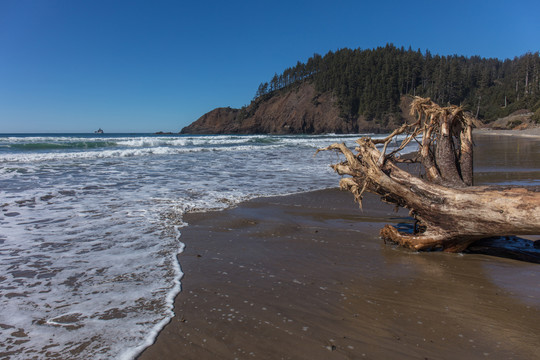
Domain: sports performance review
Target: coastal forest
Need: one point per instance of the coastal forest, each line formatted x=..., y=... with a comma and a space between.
x=370, y=83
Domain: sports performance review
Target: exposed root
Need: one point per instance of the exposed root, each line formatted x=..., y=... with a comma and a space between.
x=453, y=213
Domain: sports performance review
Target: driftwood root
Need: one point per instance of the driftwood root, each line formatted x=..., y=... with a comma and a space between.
x=453, y=214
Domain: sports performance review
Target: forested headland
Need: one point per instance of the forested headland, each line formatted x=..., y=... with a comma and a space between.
x=367, y=87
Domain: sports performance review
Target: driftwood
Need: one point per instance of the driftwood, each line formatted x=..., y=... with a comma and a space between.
x=450, y=212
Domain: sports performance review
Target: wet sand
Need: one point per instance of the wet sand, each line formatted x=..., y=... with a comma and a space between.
x=507, y=157
x=306, y=276
x=533, y=132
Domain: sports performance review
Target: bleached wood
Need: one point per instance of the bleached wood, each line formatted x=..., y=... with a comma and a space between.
x=451, y=213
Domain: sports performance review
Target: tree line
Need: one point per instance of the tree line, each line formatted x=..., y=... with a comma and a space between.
x=371, y=82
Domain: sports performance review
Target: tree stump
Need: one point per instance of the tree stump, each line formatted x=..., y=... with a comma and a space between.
x=450, y=212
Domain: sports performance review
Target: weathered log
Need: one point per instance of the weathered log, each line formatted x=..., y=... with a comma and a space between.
x=451, y=214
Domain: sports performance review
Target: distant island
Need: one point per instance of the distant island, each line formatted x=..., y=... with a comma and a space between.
x=352, y=91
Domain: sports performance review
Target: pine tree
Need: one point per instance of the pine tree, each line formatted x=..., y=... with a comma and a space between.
x=371, y=82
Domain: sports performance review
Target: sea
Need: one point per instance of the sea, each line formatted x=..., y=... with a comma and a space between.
x=90, y=228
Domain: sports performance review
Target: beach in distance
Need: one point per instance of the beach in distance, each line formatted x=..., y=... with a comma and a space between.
x=307, y=276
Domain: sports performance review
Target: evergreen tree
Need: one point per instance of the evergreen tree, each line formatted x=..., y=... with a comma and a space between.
x=371, y=82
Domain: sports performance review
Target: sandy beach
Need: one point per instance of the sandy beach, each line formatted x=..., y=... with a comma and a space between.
x=306, y=276
x=533, y=132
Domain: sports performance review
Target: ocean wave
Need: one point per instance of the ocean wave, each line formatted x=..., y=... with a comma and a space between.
x=117, y=153
x=62, y=145
x=66, y=142
x=145, y=146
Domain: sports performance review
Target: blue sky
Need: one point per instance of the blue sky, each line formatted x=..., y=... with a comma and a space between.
x=146, y=66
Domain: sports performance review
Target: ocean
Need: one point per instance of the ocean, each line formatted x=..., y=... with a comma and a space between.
x=91, y=227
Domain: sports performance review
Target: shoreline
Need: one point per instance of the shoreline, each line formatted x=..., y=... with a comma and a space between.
x=533, y=132
x=306, y=276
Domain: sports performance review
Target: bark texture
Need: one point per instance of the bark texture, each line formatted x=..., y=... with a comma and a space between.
x=451, y=214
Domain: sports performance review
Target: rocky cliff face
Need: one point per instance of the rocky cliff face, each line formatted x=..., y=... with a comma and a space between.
x=297, y=111
x=217, y=121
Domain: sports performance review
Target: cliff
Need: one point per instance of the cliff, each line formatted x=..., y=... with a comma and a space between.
x=297, y=110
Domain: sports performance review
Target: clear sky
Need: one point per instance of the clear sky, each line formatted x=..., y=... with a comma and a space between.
x=146, y=66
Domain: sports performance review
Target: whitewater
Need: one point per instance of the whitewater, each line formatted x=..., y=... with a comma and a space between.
x=91, y=228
